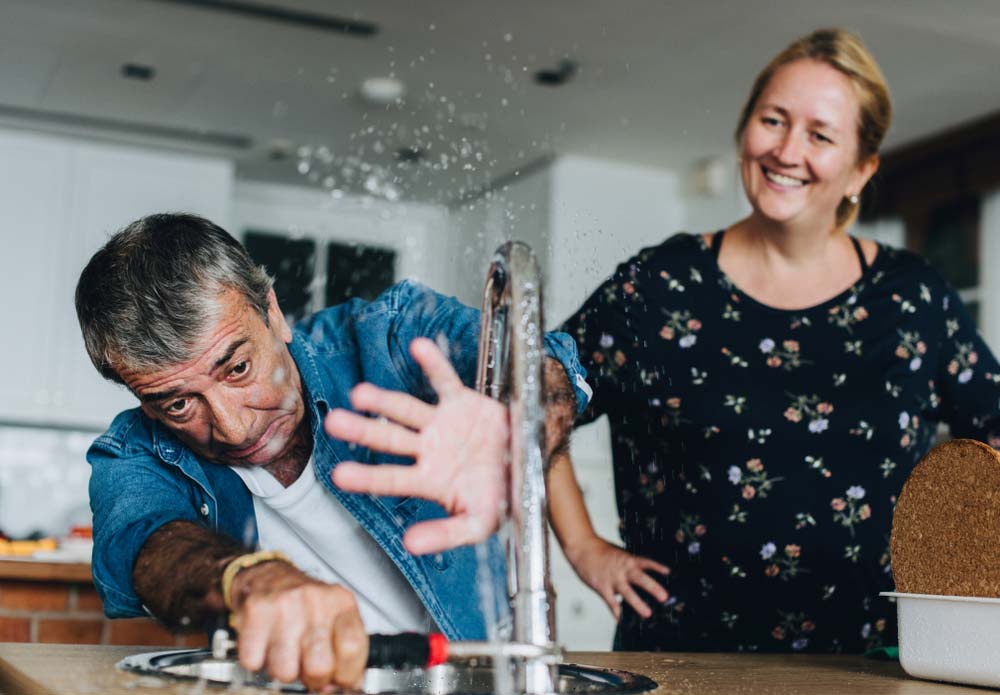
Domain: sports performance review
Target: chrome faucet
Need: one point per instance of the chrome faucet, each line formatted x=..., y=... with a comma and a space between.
x=511, y=356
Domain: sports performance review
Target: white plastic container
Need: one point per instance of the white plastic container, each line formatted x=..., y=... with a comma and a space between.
x=949, y=638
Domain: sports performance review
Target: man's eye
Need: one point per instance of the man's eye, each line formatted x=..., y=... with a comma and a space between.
x=770, y=120
x=240, y=369
x=822, y=138
x=178, y=406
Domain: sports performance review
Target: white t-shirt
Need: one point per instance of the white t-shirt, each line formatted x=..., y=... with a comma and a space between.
x=325, y=541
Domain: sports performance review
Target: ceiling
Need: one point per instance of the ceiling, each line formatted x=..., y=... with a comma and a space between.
x=659, y=82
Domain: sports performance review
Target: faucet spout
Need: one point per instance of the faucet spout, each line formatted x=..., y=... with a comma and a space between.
x=511, y=356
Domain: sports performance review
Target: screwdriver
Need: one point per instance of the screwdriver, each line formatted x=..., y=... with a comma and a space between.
x=419, y=650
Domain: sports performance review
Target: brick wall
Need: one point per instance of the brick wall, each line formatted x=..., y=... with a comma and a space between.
x=70, y=613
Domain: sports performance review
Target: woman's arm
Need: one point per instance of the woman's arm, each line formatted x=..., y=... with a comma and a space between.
x=969, y=378
x=605, y=568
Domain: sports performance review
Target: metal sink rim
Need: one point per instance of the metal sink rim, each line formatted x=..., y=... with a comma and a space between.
x=588, y=679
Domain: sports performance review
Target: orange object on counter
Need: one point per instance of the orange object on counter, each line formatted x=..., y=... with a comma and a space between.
x=26, y=548
x=81, y=532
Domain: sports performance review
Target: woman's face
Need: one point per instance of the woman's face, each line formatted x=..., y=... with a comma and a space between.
x=800, y=145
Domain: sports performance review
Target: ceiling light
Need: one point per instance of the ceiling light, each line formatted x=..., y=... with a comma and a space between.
x=382, y=90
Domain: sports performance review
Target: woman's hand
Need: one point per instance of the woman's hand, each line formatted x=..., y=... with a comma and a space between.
x=612, y=572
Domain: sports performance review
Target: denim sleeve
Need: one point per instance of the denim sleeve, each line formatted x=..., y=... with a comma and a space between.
x=418, y=311
x=131, y=497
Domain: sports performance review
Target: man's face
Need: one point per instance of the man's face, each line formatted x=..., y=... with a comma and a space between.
x=238, y=401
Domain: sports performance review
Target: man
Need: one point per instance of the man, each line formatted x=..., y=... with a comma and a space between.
x=227, y=453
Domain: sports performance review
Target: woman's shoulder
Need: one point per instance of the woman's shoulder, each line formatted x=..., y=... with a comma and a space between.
x=678, y=250
x=903, y=270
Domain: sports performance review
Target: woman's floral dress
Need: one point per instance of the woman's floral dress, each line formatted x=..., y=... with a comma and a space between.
x=759, y=452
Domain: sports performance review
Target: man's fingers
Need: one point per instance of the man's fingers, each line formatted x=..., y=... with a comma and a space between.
x=383, y=479
x=444, y=534
x=252, y=623
x=317, y=656
x=395, y=405
x=436, y=366
x=284, y=650
x=378, y=435
x=350, y=646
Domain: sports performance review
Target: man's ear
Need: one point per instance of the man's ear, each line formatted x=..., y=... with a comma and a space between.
x=276, y=319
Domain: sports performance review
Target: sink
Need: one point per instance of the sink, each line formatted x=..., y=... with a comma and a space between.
x=448, y=679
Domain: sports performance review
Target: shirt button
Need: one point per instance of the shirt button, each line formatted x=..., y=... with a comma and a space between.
x=204, y=509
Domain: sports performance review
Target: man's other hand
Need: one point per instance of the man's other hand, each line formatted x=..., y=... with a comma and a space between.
x=459, y=448
x=298, y=628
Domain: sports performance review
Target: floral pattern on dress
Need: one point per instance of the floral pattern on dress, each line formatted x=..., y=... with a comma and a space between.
x=811, y=409
x=786, y=355
x=759, y=452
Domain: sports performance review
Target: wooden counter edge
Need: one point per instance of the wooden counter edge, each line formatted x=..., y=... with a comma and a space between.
x=41, y=571
x=13, y=680
x=37, y=669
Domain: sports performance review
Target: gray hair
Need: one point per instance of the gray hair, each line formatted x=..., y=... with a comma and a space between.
x=151, y=292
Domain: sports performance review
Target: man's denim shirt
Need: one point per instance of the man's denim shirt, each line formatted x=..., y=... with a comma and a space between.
x=143, y=477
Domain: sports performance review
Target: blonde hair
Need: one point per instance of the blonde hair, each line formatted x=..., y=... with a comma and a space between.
x=844, y=51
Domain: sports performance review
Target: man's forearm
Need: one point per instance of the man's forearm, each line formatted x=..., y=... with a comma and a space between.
x=560, y=407
x=178, y=571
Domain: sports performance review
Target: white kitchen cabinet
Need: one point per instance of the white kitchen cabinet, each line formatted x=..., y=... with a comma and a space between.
x=35, y=179
x=60, y=199
x=583, y=620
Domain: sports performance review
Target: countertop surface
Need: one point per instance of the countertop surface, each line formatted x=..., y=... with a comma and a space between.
x=31, y=569
x=36, y=669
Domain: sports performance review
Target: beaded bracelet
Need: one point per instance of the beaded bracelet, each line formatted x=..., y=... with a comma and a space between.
x=241, y=563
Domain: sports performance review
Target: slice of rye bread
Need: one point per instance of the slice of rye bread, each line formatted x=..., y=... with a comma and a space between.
x=946, y=526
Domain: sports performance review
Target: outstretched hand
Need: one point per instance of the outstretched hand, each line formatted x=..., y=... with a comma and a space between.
x=459, y=448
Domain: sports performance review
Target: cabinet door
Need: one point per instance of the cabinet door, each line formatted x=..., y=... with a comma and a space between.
x=112, y=187
x=34, y=188
x=60, y=199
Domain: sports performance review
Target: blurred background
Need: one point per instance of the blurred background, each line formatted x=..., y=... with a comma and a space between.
x=351, y=144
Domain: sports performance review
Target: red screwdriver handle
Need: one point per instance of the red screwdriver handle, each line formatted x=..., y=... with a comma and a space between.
x=407, y=650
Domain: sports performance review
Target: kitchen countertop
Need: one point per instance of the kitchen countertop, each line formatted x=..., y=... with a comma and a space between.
x=45, y=571
x=47, y=669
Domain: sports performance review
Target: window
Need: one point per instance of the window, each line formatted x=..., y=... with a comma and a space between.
x=352, y=270
x=357, y=271
x=291, y=262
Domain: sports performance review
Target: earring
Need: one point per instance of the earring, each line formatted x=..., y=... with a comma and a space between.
x=853, y=198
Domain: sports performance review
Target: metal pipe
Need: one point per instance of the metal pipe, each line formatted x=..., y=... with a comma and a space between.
x=511, y=356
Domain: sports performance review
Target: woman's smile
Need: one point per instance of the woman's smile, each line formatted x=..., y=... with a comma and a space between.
x=782, y=181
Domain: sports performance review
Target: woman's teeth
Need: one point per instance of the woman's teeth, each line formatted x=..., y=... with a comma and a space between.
x=783, y=180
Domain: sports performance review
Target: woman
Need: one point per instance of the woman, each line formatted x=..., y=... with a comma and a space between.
x=769, y=388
